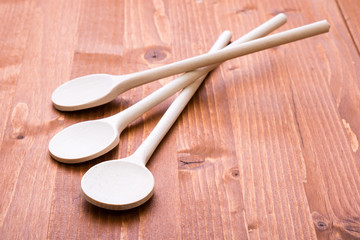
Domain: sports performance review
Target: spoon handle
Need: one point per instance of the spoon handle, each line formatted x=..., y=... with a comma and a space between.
x=149, y=145
x=140, y=78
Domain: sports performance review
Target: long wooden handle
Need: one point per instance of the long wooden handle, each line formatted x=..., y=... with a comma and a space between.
x=149, y=145
x=189, y=64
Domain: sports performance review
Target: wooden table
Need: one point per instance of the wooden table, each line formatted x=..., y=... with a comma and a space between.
x=268, y=148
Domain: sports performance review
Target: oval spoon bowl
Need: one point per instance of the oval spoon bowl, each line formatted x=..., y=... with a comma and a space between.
x=83, y=141
x=83, y=92
x=117, y=185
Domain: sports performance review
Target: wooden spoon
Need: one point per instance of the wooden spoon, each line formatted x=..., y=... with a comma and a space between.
x=97, y=89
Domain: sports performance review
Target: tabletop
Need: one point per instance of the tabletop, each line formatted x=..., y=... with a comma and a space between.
x=268, y=147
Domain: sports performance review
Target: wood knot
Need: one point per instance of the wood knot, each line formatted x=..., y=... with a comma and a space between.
x=190, y=161
x=349, y=227
x=20, y=136
x=234, y=172
x=320, y=222
x=18, y=120
x=252, y=226
x=187, y=163
x=155, y=54
x=198, y=156
x=321, y=225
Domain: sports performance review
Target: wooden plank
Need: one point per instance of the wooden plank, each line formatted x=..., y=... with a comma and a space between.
x=336, y=214
x=350, y=12
x=27, y=177
x=346, y=92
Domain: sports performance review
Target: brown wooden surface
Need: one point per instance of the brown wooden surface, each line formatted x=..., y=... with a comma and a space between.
x=268, y=148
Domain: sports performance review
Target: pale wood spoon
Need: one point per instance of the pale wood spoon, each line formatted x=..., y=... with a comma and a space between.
x=97, y=89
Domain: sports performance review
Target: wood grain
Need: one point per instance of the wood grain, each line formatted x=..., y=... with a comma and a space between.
x=349, y=10
x=268, y=148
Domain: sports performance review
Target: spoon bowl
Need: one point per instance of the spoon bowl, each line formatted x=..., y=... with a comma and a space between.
x=83, y=141
x=84, y=92
x=118, y=184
